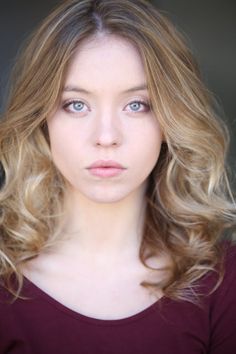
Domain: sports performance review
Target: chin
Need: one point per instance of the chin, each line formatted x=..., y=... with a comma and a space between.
x=108, y=195
x=108, y=199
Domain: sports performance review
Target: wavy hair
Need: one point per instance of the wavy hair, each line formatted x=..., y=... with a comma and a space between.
x=189, y=203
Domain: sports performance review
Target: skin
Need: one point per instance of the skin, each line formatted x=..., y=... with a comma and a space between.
x=104, y=114
x=107, y=123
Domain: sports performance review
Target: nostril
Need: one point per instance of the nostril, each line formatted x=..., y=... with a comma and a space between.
x=108, y=139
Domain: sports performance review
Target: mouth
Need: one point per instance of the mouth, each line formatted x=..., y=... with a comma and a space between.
x=104, y=168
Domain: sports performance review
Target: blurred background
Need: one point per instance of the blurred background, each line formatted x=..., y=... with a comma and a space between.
x=208, y=25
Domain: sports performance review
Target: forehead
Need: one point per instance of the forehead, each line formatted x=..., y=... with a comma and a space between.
x=106, y=58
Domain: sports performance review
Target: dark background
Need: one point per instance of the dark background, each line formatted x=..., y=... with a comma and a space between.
x=208, y=25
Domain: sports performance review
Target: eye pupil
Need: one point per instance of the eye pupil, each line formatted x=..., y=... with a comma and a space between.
x=135, y=106
x=78, y=106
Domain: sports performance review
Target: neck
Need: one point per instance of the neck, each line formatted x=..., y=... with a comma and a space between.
x=101, y=229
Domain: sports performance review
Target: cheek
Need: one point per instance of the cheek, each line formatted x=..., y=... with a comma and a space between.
x=151, y=144
x=146, y=154
x=150, y=156
x=62, y=144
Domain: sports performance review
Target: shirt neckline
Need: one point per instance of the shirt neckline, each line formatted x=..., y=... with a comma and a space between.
x=33, y=289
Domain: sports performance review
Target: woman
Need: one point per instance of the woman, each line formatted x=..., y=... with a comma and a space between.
x=115, y=196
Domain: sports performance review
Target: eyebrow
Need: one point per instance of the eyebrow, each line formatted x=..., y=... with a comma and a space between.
x=71, y=88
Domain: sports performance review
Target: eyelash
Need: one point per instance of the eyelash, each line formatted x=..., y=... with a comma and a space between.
x=144, y=103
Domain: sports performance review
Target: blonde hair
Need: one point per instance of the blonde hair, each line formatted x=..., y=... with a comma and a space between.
x=189, y=203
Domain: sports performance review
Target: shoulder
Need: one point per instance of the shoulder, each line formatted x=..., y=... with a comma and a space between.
x=222, y=306
x=10, y=305
x=229, y=263
x=13, y=330
x=7, y=305
x=227, y=285
x=7, y=321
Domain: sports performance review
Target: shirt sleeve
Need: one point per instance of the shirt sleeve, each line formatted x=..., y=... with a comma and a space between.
x=223, y=310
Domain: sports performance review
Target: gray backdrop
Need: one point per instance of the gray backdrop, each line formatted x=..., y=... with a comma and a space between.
x=209, y=25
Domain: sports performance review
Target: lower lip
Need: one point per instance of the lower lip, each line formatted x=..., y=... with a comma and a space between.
x=106, y=171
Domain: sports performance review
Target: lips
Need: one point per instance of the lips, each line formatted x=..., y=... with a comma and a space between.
x=103, y=168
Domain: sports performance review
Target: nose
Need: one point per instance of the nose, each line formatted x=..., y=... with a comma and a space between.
x=107, y=130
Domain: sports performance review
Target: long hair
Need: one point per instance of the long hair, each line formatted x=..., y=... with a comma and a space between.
x=189, y=203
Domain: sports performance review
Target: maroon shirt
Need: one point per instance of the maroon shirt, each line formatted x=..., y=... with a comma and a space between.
x=42, y=325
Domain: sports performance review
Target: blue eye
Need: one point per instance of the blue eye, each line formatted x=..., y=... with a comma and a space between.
x=135, y=106
x=139, y=106
x=75, y=106
x=78, y=106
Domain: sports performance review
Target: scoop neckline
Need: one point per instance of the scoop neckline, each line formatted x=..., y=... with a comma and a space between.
x=36, y=290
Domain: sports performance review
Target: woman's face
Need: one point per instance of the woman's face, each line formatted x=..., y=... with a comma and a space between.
x=104, y=138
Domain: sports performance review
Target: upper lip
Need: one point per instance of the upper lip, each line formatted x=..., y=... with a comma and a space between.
x=106, y=163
